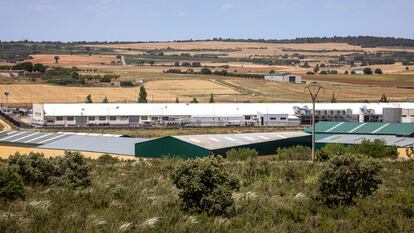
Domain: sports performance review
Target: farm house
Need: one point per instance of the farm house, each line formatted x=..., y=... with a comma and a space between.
x=284, y=77
x=219, y=144
x=219, y=114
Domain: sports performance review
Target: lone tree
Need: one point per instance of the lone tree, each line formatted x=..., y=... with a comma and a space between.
x=142, y=96
x=333, y=98
x=211, y=98
x=205, y=186
x=105, y=100
x=88, y=99
x=194, y=101
x=347, y=178
x=177, y=100
x=378, y=71
x=383, y=99
x=56, y=59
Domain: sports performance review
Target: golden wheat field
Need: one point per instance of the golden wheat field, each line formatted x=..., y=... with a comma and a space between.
x=285, y=92
x=73, y=60
x=158, y=91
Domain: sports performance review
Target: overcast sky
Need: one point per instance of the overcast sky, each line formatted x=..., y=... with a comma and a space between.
x=143, y=20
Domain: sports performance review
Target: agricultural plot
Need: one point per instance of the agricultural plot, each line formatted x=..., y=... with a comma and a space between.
x=73, y=60
x=284, y=92
x=158, y=91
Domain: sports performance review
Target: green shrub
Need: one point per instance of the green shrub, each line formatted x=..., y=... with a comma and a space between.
x=346, y=178
x=34, y=168
x=241, y=154
x=107, y=159
x=374, y=149
x=11, y=184
x=331, y=150
x=206, y=186
x=72, y=171
x=294, y=153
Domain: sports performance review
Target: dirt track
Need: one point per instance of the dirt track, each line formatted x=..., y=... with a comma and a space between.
x=5, y=125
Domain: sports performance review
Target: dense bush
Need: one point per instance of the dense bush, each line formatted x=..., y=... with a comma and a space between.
x=294, y=153
x=373, y=149
x=72, y=171
x=107, y=159
x=11, y=184
x=206, y=186
x=241, y=154
x=34, y=168
x=347, y=178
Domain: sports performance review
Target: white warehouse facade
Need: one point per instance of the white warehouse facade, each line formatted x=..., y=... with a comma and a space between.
x=284, y=77
x=218, y=114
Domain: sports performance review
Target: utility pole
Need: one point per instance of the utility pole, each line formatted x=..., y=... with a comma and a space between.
x=7, y=100
x=313, y=89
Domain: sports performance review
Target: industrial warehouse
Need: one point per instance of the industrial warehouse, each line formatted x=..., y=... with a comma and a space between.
x=223, y=114
x=400, y=135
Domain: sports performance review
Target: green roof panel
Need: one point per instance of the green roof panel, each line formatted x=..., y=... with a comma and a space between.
x=373, y=128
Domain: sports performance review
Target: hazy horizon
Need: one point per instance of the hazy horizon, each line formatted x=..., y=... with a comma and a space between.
x=168, y=20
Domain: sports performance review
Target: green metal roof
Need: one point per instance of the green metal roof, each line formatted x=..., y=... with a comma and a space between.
x=370, y=128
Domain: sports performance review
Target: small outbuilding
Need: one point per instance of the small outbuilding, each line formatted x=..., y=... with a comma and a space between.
x=218, y=144
x=284, y=77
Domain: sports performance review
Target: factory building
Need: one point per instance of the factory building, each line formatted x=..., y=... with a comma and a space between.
x=221, y=114
x=218, y=144
x=284, y=77
x=400, y=135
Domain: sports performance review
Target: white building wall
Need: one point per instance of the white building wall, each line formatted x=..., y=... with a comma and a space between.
x=407, y=116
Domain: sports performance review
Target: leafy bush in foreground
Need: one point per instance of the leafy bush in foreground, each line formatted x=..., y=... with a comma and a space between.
x=11, y=184
x=70, y=170
x=294, y=153
x=73, y=171
x=346, y=178
x=241, y=154
x=206, y=186
x=34, y=168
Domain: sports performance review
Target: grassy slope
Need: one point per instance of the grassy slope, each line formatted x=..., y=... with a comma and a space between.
x=136, y=192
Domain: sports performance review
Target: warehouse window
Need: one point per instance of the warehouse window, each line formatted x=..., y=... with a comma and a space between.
x=247, y=117
x=155, y=118
x=112, y=118
x=124, y=118
x=91, y=118
x=102, y=118
x=273, y=118
x=283, y=118
x=70, y=118
x=165, y=118
x=59, y=118
x=144, y=118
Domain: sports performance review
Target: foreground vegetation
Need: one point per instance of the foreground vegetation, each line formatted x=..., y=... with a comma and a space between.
x=266, y=195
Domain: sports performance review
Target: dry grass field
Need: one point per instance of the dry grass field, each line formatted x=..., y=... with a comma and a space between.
x=247, y=48
x=366, y=80
x=73, y=60
x=274, y=91
x=6, y=151
x=158, y=91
